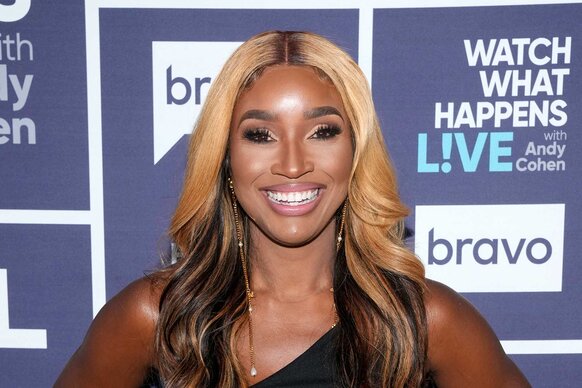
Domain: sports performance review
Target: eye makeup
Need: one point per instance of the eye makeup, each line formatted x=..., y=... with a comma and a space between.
x=326, y=132
x=258, y=135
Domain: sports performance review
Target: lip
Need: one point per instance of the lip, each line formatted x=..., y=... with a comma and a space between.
x=293, y=208
x=291, y=187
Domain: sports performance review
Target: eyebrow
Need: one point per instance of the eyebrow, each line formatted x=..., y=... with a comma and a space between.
x=321, y=111
x=258, y=115
x=265, y=115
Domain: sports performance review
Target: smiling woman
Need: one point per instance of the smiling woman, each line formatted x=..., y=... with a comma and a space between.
x=293, y=271
x=290, y=153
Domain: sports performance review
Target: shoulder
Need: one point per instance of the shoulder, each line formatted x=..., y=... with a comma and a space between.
x=118, y=347
x=134, y=309
x=463, y=350
x=138, y=302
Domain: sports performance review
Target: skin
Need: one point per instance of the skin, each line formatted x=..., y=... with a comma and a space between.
x=292, y=255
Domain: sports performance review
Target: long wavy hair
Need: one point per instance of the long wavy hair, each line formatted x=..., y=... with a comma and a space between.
x=378, y=282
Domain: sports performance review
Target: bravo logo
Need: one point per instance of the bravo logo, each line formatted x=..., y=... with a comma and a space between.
x=15, y=11
x=182, y=74
x=492, y=248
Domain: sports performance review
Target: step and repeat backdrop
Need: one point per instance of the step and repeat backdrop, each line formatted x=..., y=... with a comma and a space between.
x=481, y=108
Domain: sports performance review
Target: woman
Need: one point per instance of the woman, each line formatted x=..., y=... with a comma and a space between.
x=293, y=269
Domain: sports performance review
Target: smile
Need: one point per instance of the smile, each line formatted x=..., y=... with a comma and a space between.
x=296, y=198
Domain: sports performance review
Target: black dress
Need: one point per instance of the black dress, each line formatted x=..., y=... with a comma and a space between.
x=314, y=368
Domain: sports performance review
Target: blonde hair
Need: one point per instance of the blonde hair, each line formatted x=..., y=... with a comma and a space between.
x=378, y=282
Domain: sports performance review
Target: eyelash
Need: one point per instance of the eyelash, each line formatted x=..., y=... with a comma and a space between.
x=258, y=135
x=263, y=135
x=326, y=132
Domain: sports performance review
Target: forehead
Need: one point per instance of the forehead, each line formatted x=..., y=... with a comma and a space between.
x=282, y=82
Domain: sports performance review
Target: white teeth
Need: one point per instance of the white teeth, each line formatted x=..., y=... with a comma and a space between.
x=293, y=198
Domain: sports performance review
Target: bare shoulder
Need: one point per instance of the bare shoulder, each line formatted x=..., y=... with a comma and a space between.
x=118, y=347
x=463, y=350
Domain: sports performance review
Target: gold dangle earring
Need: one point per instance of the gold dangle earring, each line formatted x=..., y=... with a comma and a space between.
x=341, y=228
x=249, y=293
x=338, y=244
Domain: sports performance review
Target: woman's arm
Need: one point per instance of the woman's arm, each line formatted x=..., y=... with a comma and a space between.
x=118, y=348
x=463, y=350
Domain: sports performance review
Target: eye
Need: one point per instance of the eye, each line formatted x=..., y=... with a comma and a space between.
x=326, y=132
x=258, y=135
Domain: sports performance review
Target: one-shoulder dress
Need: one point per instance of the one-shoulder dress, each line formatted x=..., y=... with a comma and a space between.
x=314, y=368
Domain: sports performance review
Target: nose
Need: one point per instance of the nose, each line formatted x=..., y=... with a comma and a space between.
x=293, y=161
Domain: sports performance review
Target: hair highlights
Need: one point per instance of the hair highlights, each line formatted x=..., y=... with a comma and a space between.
x=378, y=282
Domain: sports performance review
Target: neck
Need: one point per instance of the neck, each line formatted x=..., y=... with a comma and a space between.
x=292, y=273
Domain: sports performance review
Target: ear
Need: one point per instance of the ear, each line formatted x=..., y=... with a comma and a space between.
x=226, y=172
x=226, y=178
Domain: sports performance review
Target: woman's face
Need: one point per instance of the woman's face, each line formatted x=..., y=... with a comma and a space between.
x=290, y=154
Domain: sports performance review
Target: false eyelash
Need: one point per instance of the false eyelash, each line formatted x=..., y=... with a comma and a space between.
x=326, y=131
x=258, y=135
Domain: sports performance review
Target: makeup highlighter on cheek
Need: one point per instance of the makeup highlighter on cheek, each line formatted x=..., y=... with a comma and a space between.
x=291, y=162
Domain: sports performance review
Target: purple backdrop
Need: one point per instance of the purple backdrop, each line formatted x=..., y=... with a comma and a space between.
x=50, y=247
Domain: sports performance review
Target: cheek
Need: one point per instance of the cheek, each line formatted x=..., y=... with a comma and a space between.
x=338, y=163
x=246, y=164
